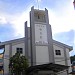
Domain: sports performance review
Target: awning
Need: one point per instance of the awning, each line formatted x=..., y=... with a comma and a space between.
x=45, y=67
x=72, y=73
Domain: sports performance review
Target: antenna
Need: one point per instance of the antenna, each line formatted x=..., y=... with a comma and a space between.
x=38, y=4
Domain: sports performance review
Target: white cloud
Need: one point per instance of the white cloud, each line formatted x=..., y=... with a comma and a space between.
x=3, y=20
x=16, y=20
x=59, y=23
x=39, y=0
x=19, y=21
x=64, y=21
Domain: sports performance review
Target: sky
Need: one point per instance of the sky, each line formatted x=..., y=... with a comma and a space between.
x=13, y=14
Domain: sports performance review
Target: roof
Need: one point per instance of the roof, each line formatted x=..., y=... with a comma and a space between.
x=62, y=44
x=22, y=40
x=47, y=67
x=12, y=41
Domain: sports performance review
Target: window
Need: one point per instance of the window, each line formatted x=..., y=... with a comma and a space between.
x=57, y=52
x=19, y=50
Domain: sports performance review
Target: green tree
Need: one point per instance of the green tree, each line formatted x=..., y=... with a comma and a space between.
x=18, y=64
x=72, y=58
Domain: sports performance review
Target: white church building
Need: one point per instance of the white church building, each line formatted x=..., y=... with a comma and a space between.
x=37, y=45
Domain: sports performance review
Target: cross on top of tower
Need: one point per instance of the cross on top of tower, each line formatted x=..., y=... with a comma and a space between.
x=38, y=4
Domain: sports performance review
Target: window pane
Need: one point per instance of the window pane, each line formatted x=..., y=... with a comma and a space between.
x=58, y=52
x=19, y=50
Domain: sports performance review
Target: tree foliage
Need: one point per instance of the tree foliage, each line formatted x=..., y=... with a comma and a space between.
x=72, y=58
x=18, y=64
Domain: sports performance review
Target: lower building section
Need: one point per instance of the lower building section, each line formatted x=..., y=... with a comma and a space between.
x=42, y=55
x=48, y=69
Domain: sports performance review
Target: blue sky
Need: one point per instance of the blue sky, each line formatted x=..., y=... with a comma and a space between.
x=13, y=14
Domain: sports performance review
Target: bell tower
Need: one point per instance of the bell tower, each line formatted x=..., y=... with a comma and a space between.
x=40, y=37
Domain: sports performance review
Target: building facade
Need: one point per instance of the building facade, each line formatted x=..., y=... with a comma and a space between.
x=37, y=45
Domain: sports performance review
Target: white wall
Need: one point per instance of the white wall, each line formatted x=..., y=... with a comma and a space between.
x=42, y=55
x=29, y=52
x=19, y=45
x=58, y=48
x=6, y=59
x=6, y=54
x=67, y=53
x=40, y=30
x=68, y=60
x=60, y=61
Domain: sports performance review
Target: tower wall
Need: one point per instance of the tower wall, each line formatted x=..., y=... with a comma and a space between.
x=41, y=37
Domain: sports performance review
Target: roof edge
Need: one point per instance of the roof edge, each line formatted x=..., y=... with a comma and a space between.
x=22, y=39
x=64, y=45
